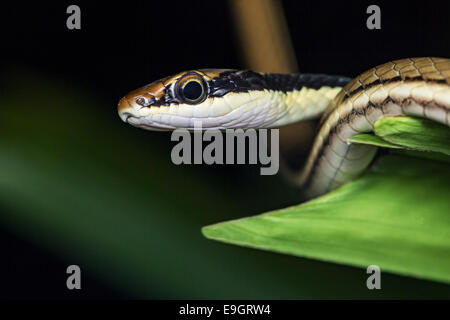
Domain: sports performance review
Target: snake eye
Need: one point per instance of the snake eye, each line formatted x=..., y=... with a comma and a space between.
x=191, y=88
x=141, y=101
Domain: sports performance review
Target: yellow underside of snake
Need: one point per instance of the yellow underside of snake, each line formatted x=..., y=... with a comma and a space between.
x=222, y=99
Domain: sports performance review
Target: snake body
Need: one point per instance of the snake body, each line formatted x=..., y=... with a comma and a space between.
x=223, y=99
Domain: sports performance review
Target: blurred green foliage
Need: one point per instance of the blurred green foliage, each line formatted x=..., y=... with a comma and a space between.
x=77, y=181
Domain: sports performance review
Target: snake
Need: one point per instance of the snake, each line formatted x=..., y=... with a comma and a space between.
x=240, y=99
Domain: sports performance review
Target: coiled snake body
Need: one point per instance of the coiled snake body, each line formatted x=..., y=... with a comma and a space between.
x=223, y=99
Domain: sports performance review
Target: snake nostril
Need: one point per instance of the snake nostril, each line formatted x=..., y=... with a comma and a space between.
x=144, y=102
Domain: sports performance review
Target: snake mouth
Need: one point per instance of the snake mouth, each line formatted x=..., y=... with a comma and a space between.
x=131, y=113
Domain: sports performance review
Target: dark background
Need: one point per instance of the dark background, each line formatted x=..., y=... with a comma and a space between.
x=124, y=45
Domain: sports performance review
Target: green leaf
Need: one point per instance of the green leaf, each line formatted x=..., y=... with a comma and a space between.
x=414, y=133
x=371, y=139
x=395, y=216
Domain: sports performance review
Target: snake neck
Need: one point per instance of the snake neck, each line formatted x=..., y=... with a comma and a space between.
x=297, y=97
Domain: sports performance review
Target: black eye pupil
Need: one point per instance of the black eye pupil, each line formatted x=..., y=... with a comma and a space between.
x=192, y=90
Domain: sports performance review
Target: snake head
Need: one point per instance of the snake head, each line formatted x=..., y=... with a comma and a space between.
x=216, y=98
x=175, y=102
